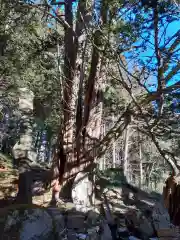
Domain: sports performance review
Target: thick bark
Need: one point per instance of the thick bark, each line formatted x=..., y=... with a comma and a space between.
x=66, y=155
x=171, y=193
x=82, y=103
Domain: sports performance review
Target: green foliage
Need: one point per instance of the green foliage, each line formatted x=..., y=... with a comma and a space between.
x=114, y=177
x=27, y=60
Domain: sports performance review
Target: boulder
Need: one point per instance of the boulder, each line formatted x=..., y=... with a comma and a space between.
x=23, y=148
x=28, y=224
x=105, y=232
x=146, y=228
x=160, y=216
x=92, y=218
x=26, y=98
x=76, y=221
x=32, y=155
x=82, y=192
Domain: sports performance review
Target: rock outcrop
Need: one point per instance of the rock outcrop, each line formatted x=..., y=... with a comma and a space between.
x=23, y=149
x=82, y=192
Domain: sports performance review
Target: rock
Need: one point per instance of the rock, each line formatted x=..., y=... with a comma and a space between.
x=32, y=156
x=169, y=233
x=106, y=232
x=92, y=218
x=160, y=216
x=93, y=233
x=29, y=224
x=39, y=224
x=123, y=233
x=23, y=148
x=18, y=151
x=58, y=220
x=146, y=228
x=82, y=192
x=71, y=234
x=69, y=206
x=133, y=217
x=139, y=225
x=26, y=98
x=75, y=221
x=114, y=195
x=133, y=238
x=122, y=222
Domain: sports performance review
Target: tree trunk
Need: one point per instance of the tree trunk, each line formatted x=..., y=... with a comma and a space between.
x=140, y=166
x=114, y=149
x=126, y=149
x=82, y=99
x=149, y=172
x=79, y=144
x=102, y=165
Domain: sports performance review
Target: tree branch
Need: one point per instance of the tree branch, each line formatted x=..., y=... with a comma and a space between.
x=59, y=19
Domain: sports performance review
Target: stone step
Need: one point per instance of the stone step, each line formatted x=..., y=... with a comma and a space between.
x=73, y=220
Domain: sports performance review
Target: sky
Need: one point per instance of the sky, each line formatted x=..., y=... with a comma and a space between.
x=166, y=30
x=171, y=30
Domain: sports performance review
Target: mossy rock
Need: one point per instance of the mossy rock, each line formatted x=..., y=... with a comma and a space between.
x=4, y=212
x=20, y=221
x=66, y=206
x=6, y=161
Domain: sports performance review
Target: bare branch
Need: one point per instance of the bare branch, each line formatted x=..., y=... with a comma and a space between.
x=173, y=72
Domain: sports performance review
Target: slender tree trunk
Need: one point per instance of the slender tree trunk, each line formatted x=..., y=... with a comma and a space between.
x=104, y=157
x=114, y=148
x=140, y=166
x=126, y=149
x=149, y=173
x=114, y=154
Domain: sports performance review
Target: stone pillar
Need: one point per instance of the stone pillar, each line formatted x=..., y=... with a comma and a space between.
x=23, y=152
